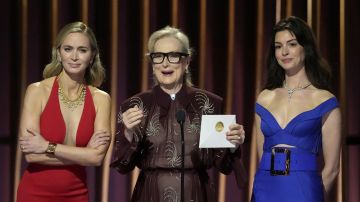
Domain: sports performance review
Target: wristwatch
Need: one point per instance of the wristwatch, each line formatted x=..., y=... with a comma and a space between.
x=51, y=148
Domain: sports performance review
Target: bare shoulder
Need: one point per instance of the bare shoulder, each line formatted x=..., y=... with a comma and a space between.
x=40, y=89
x=322, y=95
x=99, y=96
x=265, y=97
x=37, y=94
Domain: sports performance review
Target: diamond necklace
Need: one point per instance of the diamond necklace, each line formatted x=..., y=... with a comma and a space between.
x=290, y=91
x=72, y=104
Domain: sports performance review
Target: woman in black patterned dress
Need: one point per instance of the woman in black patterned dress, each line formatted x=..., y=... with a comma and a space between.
x=149, y=135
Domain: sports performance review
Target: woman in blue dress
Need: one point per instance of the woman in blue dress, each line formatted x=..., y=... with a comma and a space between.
x=297, y=119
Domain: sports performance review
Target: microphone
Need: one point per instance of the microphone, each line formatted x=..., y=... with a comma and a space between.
x=180, y=117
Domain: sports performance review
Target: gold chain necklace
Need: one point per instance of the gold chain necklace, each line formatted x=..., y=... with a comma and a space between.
x=72, y=104
x=290, y=91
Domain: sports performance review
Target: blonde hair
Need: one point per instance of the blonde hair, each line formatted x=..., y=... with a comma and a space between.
x=181, y=37
x=95, y=74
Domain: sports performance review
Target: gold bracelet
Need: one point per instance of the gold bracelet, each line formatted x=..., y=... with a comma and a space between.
x=51, y=148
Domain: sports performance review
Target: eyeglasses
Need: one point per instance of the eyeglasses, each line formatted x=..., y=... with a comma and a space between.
x=172, y=57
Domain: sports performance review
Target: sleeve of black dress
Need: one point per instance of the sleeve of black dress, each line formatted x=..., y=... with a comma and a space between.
x=127, y=154
x=226, y=161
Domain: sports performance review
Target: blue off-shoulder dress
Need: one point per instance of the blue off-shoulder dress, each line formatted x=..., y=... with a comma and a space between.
x=304, y=182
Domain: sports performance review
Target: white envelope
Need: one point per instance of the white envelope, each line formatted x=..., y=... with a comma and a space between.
x=213, y=131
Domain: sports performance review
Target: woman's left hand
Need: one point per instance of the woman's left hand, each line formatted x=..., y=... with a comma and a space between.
x=236, y=134
x=33, y=143
x=101, y=137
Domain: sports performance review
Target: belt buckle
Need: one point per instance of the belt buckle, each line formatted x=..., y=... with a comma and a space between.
x=287, y=152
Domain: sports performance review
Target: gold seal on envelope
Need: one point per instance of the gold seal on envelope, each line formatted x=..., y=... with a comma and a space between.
x=219, y=126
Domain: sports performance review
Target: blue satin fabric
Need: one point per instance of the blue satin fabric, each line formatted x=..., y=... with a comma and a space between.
x=303, y=132
x=299, y=186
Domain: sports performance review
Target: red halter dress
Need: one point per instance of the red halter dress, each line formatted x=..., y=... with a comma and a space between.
x=45, y=183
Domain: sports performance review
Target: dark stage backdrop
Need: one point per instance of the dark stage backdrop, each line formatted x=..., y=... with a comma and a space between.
x=230, y=39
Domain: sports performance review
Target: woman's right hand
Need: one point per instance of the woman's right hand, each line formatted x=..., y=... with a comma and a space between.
x=131, y=119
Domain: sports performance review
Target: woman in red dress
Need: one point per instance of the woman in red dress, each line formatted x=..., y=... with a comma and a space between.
x=65, y=121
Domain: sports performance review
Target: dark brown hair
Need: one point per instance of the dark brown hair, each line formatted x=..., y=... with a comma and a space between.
x=316, y=68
